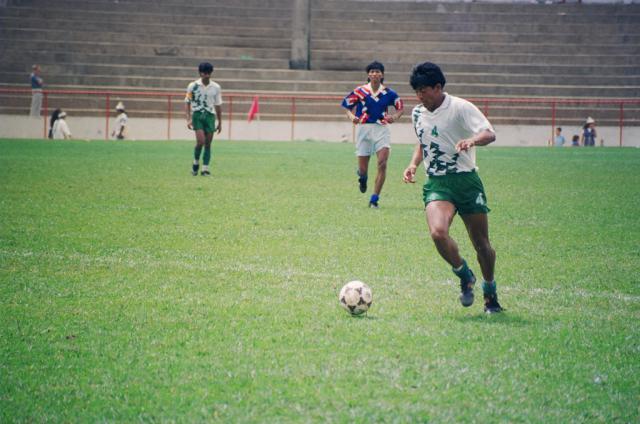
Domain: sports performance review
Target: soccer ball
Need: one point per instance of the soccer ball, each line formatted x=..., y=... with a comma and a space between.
x=356, y=297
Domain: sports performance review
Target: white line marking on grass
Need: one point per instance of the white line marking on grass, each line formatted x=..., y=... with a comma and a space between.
x=289, y=273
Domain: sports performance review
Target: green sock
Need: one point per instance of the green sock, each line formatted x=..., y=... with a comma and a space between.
x=489, y=288
x=462, y=269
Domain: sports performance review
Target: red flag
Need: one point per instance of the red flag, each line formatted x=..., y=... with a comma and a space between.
x=254, y=109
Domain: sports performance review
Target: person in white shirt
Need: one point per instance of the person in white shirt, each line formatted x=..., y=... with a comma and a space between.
x=120, y=128
x=203, y=108
x=60, y=128
x=448, y=129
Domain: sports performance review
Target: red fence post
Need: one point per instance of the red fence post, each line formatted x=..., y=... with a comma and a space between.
x=553, y=121
x=621, y=121
x=230, y=114
x=106, y=131
x=293, y=116
x=46, y=113
x=168, y=116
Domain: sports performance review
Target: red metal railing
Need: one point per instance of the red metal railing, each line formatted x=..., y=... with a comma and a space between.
x=296, y=100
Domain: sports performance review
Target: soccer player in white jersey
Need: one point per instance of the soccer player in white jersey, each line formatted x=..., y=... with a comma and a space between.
x=368, y=107
x=448, y=129
x=203, y=106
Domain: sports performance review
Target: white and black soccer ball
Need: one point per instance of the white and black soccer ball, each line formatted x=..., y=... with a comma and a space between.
x=356, y=297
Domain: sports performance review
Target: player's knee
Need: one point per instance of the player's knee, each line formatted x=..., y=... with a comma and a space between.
x=439, y=234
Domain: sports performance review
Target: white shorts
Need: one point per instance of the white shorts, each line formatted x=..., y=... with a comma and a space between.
x=371, y=138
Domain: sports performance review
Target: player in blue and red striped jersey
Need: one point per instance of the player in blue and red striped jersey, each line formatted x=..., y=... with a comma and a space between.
x=367, y=106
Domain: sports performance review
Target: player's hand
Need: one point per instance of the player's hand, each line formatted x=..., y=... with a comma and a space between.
x=189, y=124
x=464, y=145
x=389, y=119
x=219, y=128
x=409, y=174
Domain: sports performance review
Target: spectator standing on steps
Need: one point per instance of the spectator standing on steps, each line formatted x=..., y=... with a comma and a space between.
x=37, y=83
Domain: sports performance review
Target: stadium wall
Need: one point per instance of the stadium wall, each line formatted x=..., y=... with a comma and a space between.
x=12, y=126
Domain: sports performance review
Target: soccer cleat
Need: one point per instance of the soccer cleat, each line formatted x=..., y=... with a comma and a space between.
x=205, y=173
x=491, y=305
x=373, y=201
x=467, y=281
x=194, y=169
x=362, y=181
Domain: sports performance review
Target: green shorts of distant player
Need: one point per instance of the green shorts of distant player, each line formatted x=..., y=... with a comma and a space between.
x=464, y=190
x=203, y=120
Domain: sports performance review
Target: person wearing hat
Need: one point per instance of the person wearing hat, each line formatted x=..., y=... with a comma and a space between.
x=368, y=107
x=588, y=137
x=121, y=122
x=203, y=107
x=60, y=128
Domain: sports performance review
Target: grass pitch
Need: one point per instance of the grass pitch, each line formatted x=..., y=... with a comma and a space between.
x=132, y=291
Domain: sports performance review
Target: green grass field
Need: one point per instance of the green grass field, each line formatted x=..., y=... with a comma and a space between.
x=132, y=291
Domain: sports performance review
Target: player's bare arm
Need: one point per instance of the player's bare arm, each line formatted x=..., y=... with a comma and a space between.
x=219, y=119
x=187, y=109
x=409, y=175
x=481, y=139
x=393, y=118
x=352, y=117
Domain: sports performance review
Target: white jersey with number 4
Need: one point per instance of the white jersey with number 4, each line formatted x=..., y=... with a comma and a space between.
x=439, y=131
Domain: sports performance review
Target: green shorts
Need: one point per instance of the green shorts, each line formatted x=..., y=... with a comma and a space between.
x=464, y=190
x=203, y=120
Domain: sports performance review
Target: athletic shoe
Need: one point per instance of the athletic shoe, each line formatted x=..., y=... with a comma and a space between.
x=374, y=205
x=194, y=169
x=205, y=173
x=467, y=280
x=362, y=181
x=491, y=305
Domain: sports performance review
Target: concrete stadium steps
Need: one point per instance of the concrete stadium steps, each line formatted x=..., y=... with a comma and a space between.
x=333, y=81
x=486, y=50
x=142, y=11
x=477, y=47
x=135, y=28
x=39, y=35
x=451, y=7
x=328, y=59
x=520, y=15
x=178, y=6
x=330, y=35
x=157, y=49
x=465, y=89
x=498, y=26
x=154, y=63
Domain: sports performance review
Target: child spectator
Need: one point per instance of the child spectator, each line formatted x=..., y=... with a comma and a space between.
x=60, y=128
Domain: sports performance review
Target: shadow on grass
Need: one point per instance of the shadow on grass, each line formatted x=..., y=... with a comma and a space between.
x=504, y=318
x=363, y=316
